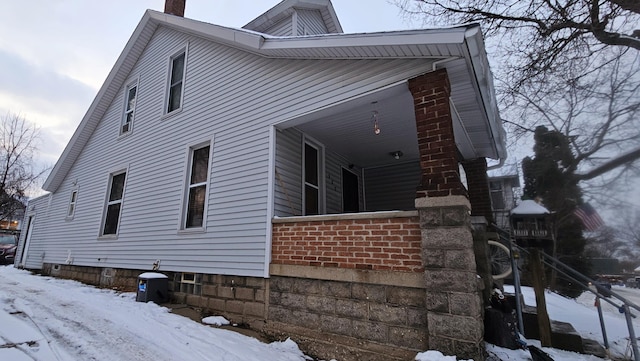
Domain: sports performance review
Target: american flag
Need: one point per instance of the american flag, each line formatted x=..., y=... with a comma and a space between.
x=589, y=217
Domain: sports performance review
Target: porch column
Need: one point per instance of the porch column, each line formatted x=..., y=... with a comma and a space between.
x=453, y=301
x=478, y=183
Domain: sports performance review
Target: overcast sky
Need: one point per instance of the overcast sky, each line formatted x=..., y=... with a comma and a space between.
x=55, y=54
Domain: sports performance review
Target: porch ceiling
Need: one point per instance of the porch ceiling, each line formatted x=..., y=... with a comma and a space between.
x=347, y=128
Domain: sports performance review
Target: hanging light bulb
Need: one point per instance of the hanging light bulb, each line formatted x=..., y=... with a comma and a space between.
x=376, y=128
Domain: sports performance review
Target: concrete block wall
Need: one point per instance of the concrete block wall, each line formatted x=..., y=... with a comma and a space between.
x=332, y=315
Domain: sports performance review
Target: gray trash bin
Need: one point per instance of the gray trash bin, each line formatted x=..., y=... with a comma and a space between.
x=153, y=287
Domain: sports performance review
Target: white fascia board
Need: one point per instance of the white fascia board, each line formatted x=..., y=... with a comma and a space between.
x=484, y=81
x=398, y=38
x=241, y=37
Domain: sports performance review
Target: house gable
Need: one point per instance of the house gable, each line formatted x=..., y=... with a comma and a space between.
x=457, y=48
x=297, y=18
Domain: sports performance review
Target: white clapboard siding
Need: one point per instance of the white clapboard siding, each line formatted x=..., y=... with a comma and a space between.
x=231, y=98
x=283, y=27
x=288, y=186
x=310, y=22
x=393, y=187
x=333, y=180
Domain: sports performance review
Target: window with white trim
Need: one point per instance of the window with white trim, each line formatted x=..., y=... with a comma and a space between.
x=196, y=194
x=176, y=81
x=129, y=108
x=113, y=207
x=72, y=204
x=312, y=173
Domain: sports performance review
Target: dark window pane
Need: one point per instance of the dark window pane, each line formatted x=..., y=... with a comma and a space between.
x=200, y=165
x=131, y=99
x=195, y=210
x=177, y=69
x=310, y=165
x=111, y=222
x=117, y=186
x=174, y=97
x=311, y=200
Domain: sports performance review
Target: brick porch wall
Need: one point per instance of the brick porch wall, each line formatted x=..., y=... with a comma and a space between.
x=391, y=243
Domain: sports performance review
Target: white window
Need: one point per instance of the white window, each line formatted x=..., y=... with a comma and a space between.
x=129, y=108
x=72, y=203
x=312, y=173
x=176, y=81
x=198, y=178
x=114, y=203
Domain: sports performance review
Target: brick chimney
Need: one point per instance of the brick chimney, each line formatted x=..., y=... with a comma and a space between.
x=174, y=7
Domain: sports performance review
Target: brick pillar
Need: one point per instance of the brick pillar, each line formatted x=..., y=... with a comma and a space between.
x=478, y=183
x=438, y=153
x=453, y=299
x=174, y=7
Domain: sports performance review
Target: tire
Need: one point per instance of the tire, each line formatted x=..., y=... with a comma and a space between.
x=499, y=260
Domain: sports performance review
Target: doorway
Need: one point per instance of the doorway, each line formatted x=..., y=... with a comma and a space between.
x=350, y=193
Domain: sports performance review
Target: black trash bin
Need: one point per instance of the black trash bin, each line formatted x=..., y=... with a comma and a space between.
x=153, y=287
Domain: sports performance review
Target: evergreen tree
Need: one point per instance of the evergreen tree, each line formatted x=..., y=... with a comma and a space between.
x=549, y=176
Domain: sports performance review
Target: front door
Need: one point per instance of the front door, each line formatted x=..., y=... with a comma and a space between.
x=350, y=194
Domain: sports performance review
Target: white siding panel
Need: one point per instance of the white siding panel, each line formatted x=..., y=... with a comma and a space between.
x=282, y=28
x=333, y=180
x=288, y=187
x=310, y=22
x=392, y=188
x=230, y=98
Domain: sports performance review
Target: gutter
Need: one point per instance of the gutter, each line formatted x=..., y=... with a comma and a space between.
x=484, y=81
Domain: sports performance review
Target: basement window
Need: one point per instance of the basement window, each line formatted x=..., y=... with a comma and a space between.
x=189, y=283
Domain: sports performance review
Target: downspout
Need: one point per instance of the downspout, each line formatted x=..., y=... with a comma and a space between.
x=442, y=61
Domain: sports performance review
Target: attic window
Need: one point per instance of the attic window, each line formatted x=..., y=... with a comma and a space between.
x=129, y=108
x=176, y=81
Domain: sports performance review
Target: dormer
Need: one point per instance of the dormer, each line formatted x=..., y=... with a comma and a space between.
x=297, y=18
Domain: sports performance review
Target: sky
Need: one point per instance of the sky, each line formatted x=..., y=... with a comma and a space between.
x=55, y=54
x=49, y=319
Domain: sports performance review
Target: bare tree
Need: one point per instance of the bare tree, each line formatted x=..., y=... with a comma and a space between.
x=18, y=173
x=597, y=112
x=539, y=36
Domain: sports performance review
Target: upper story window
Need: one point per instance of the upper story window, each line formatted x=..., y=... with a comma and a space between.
x=114, y=204
x=129, y=108
x=194, y=213
x=72, y=204
x=176, y=81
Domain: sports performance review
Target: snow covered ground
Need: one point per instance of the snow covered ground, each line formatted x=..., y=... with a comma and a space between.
x=49, y=319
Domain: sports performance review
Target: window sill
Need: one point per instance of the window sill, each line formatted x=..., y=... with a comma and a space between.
x=192, y=230
x=124, y=135
x=109, y=237
x=171, y=114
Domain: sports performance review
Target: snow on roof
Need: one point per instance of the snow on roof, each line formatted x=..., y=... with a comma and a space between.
x=529, y=207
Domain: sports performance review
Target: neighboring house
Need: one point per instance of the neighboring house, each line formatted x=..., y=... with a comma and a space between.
x=287, y=175
x=503, y=189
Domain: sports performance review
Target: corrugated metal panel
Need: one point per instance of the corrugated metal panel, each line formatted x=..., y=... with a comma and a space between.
x=283, y=27
x=310, y=22
x=392, y=188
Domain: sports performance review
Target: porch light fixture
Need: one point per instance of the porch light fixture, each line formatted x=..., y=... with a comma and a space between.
x=374, y=118
x=397, y=154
